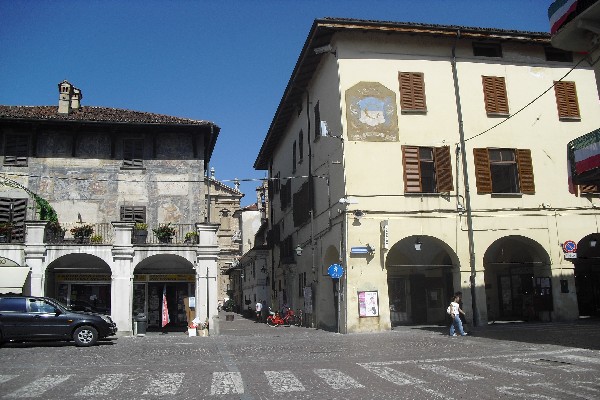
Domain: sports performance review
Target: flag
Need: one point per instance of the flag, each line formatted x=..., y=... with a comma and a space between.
x=165, y=309
x=559, y=11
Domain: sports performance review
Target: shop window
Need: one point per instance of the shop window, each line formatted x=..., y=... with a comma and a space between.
x=16, y=150
x=412, y=92
x=427, y=169
x=133, y=153
x=494, y=94
x=504, y=171
x=566, y=100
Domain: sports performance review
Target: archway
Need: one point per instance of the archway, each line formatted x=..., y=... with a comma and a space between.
x=81, y=281
x=587, y=275
x=420, y=280
x=518, y=282
x=172, y=275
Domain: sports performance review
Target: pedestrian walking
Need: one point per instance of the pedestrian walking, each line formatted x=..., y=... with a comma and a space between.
x=460, y=305
x=454, y=311
x=258, y=311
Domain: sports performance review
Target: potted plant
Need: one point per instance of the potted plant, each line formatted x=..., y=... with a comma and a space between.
x=140, y=233
x=82, y=233
x=96, y=239
x=5, y=232
x=164, y=233
x=191, y=238
x=55, y=233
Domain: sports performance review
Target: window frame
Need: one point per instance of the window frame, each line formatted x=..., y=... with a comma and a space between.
x=138, y=214
x=483, y=173
x=412, y=167
x=133, y=147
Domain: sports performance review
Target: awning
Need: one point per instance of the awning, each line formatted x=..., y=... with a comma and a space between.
x=12, y=279
x=583, y=156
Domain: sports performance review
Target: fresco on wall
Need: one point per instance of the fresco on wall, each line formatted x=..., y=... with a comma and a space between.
x=371, y=113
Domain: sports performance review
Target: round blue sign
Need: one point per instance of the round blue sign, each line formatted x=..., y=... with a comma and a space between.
x=569, y=246
x=335, y=271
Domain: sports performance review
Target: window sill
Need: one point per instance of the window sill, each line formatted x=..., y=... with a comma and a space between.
x=498, y=115
x=133, y=168
x=421, y=194
x=416, y=111
x=569, y=119
x=508, y=195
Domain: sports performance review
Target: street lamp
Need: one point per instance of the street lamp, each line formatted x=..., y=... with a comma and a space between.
x=298, y=250
x=418, y=244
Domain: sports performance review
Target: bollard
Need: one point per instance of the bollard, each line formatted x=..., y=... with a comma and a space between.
x=215, y=326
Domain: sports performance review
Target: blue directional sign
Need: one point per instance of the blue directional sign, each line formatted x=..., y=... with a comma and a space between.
x=335, y=271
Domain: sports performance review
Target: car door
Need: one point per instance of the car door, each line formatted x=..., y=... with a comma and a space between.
x=13, y=317
x=47, y=320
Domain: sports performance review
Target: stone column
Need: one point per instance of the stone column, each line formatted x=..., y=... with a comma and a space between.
x=121, y=291
x=35, y=255
x=207, y=255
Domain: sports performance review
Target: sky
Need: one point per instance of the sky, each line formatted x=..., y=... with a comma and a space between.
x=225, y=61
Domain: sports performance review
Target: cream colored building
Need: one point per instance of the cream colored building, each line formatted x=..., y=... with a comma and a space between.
x=421, y=183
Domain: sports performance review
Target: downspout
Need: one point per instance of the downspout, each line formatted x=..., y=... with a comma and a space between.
x=311, y=205
x=467, y=204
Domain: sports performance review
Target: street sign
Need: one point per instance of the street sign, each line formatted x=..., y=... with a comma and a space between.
x=569, y=246
x=335, y=271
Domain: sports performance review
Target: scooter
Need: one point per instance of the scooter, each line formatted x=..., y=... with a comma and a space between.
x=275, y=320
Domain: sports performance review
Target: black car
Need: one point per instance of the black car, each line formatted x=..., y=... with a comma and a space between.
x=25, y=318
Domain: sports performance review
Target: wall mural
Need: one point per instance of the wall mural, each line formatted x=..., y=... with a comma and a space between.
x=371, y=113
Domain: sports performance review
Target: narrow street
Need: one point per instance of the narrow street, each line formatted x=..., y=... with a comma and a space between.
x=254, y=361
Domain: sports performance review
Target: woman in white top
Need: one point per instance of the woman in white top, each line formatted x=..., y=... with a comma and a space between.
x=455, y=314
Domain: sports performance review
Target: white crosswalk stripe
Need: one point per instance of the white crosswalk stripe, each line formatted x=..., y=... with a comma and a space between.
x=504, y=370
x=451, y=373
x=39, y=386
x=560, y=389
x=102, y=385
x=164, y=384
x=583, y=359
x=391, y=375
x=513, y=391
x=550, y=364
x=226, y=383
x=284, y=381
x=337, y=380
x=6, y=378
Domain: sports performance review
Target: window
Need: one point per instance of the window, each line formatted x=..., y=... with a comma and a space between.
x=14, y=211
x=300, y=147
x=487, y=49
x=287, y=251
x=412, y=92
x=317, y=121
x=11, y=304
x=566, y=100
x=41, y=306
x=294, y=157
x=133, y=153
x=133, y=214
x=301, y=284
x=285, y=197
x=427, y=169
x=16, y=150
x=504, y=171
x=494, y=94
x=554, y=54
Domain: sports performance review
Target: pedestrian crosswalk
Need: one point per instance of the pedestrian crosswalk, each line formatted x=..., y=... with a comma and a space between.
x=531, y=376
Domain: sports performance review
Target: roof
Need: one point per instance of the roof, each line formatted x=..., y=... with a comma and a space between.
x=321, y=34
x=106, y=115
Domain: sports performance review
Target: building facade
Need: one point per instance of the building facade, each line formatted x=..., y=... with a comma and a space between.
x=414, y=157
x=124, y=194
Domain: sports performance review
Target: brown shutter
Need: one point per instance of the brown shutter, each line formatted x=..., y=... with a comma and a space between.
x=494, y=94
x=412, y=172
x=589, y=189
x=443, y=169
x=525, y=171
x=412, y=91
x=566, y=100
x=483, y=175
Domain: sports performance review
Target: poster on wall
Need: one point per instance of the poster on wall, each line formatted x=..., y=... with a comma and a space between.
x=368, y=304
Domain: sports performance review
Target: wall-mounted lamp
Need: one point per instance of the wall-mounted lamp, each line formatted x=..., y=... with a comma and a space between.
x=593, y=242
x=348, y=200
x=418, y=244
x=298, y=250
x=358, y=214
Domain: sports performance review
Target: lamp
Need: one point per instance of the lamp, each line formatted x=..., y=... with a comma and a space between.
x=298, y=250
x=358, y=214
x=593, y=242
x=418, y=244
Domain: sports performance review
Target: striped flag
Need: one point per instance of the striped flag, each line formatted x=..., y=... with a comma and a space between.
x=583, y=155
x=559, y=11
x=165, y=309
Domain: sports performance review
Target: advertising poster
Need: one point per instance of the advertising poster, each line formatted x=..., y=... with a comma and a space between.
x=368, y=304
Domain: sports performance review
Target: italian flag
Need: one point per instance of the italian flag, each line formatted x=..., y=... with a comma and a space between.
x=583, y=155
x=559, y=11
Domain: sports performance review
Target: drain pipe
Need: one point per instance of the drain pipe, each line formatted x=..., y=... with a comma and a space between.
x=467, y=204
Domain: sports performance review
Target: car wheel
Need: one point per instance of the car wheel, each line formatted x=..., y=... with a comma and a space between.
x=85, y=336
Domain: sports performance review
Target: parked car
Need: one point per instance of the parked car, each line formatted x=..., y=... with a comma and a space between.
x=25, y=318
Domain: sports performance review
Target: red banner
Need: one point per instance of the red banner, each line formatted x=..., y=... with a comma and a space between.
x=165, y=309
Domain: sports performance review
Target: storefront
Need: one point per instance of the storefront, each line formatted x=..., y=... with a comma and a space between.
x=84, y=292
x=148, y=292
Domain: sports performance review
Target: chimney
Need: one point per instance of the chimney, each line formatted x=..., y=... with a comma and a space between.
x=65, y=92
x=76, y=99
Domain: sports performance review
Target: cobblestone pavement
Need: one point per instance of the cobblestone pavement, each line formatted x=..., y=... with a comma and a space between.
x=253, y=361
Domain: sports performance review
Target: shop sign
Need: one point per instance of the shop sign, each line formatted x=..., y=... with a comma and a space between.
x=83, y=277
x=167, y=278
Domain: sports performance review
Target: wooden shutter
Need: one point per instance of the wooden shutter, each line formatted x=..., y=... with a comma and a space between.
x=133, y=214
x=412, y=171
x=566, y=100
x=19, y=214
x=483, y=175
x=16, y=150
x=525, y=166
x=412, y=91
x=443, y=169
x=494, y=94
x=133, y=151
x=589, y=189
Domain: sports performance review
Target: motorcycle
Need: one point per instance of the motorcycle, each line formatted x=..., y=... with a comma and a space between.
x=275, y=320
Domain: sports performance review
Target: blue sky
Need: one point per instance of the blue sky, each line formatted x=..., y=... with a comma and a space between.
x=223, y=61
